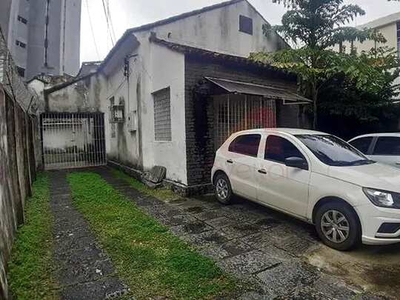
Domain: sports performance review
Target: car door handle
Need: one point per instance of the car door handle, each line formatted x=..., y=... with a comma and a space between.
x=262, y=171
x=229, y=161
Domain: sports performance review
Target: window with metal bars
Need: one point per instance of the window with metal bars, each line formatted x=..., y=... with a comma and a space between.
x=233, y=113
x=162, y=115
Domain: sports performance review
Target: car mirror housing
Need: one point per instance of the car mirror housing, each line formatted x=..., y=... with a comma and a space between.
x=296, y=162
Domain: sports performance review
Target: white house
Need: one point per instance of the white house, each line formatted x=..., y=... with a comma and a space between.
x=173, y=90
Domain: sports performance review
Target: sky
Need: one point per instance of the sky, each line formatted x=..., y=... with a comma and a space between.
x=96, y=42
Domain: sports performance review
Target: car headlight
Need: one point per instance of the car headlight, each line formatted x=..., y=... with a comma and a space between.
x=383, y=198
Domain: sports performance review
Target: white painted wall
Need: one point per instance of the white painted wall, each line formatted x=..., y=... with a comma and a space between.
x=123, y=144
x=154, y=68
x=66, y=135
x=218, y=30
x=168, y=70
x=389, y=31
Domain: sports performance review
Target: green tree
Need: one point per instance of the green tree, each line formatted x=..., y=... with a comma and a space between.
x=344, y=106
x=315, y=27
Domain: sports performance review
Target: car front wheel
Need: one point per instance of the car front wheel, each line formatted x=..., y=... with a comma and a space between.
x=338, y=227
x=223, y=189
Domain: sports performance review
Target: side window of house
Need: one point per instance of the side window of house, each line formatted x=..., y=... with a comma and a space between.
x=162, y=115
x=246, y=144
x=387, y=146
x=279, y=149
x=246, y=25
x=362, y=144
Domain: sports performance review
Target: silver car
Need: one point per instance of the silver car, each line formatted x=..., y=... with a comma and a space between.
x=380, y=147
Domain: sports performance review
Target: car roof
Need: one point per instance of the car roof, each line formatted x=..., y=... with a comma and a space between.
x=291, y=131
x=377, y=135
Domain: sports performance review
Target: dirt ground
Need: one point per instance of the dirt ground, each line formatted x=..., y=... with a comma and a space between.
x=374, y=268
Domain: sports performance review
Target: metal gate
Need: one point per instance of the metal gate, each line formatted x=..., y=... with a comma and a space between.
x=73, y=140
x=236, y=112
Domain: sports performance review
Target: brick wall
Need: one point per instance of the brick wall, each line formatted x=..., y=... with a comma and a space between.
x=199, y=109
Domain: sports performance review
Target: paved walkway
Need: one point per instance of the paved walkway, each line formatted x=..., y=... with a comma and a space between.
x=262, y=247
x=253, y=243
x=84, y=270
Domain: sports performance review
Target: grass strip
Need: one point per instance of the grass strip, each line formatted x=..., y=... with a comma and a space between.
x=163, y=194
x=31, y=265
x=151, y=260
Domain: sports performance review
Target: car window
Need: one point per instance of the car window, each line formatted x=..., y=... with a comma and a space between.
x=387, y=145
x=279, y=149
x=362, y=144
x=333, y=151
x=246, y=144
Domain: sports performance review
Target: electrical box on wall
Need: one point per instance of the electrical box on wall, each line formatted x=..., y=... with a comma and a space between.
x=117, y=114
x=132, y=121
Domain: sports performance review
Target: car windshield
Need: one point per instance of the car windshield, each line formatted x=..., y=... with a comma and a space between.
x=333, y=151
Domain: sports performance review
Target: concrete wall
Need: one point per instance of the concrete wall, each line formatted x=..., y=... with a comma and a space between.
x=37, y=18
x=218, y=30
x=154, y=68
x=20, y=33
x=62, y=35
x=70, y=43
x=389, y=31
x=13, y=29
x=18, y=148
x=81, y=96
x=5, y=13
x=168, y=70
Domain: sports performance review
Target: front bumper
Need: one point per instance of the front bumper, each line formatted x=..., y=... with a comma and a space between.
x=372, y=218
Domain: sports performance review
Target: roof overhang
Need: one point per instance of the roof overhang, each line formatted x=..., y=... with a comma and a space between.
x=267, y=91
x=124, y=47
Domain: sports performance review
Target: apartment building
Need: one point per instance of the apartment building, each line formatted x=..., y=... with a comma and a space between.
x=43, y=35
x=388, y=26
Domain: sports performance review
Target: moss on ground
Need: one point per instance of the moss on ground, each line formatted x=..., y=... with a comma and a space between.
x=163, y=194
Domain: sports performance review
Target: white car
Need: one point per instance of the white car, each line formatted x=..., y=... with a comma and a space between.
x=381, y=147
x=316, y=177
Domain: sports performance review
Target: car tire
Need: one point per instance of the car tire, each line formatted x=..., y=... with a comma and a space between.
x=338, y=226
x=223, y=189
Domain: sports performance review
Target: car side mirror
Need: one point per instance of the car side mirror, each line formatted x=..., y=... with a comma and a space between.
x=296, y=162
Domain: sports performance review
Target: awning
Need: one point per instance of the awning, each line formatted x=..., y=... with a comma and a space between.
x=237, y=87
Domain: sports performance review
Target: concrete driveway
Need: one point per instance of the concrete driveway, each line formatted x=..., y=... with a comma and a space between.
x=370, y=272
x=276, y=256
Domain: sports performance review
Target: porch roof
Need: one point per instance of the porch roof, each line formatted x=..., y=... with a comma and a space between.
x=237, y=87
